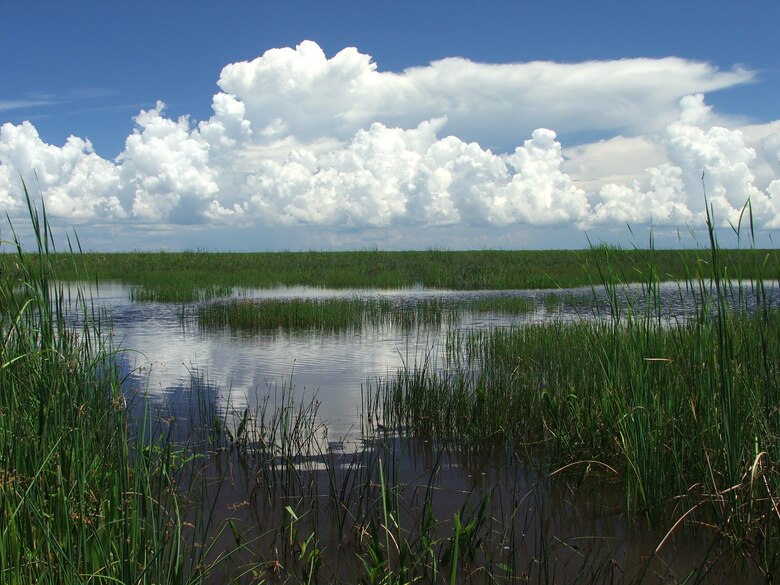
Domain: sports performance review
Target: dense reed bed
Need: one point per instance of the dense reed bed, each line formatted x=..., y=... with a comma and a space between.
x=686, y=415
x=341, y=314
x=88, y=493
x=456, y=270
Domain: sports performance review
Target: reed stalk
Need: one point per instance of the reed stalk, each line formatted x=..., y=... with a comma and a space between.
x=88, y=492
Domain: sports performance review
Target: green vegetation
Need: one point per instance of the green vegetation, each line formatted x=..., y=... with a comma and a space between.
x=686, y=416
x=474, y=270
x=555, y=302
x=324, y=315
x=86, y=493
x=98, y=487
x=94, y=489
x=339, y=314
x=181, y=293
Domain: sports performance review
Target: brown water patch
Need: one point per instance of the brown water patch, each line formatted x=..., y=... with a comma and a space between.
x=394, y=507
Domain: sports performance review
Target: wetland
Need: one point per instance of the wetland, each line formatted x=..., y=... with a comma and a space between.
x=600, y=416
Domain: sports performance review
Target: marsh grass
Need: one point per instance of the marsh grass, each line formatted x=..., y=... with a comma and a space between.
x=87, y=493
x=313, y=512
x=441, y=269
x=94, y=489
x=329, y=315
x=322, y=314
x=179, y=293
x=684, y=413
x=397, y=510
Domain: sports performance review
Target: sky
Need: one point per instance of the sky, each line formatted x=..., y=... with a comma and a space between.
x=297, y=125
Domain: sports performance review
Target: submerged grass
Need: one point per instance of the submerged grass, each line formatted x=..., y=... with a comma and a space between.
x=390, y=511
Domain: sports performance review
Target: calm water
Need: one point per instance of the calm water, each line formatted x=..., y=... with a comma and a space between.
x=164, y=347
x=162, y=350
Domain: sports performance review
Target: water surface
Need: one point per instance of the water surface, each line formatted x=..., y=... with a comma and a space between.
x=163, y=347
x=164, y=355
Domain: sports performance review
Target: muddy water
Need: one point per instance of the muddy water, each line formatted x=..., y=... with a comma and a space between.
x=537, y=527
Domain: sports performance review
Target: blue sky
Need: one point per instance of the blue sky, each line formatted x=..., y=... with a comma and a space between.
x=448, y=124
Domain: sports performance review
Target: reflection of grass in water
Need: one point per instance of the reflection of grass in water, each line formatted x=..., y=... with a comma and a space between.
x=349, y=314
x=396, y=510
x=582, y=387
x=563, y=301
x=508, y=305
x=386, y=514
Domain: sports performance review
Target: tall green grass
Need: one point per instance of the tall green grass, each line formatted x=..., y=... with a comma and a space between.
x=88, y=493
x=342, y=314
x=443, y=269
x=685, y=414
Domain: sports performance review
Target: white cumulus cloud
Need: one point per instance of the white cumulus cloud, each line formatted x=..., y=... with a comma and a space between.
x=77, y=183
x=165, y=169
x=300, y=139
x=702, y=159
x=301, y=92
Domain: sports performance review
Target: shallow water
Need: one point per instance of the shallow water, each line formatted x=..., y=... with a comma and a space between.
x=162, y=349
x=164, y=355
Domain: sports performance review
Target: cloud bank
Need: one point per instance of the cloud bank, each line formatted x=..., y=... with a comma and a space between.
x=300, y=139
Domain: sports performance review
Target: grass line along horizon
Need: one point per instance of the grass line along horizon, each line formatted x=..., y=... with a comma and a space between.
x=197, y=275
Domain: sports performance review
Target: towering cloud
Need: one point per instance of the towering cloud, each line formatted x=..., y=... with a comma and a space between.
x=301, y=92
x=165, y=170
x=297, y=138
x=75, y=181
x=703, y=159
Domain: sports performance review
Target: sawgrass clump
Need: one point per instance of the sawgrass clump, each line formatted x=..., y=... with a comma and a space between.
x=179, y=293
x=88, y=492
x=344, y=314
x=686, y=414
